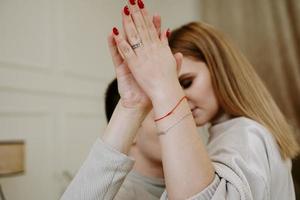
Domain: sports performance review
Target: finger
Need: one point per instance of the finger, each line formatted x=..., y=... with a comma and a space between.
x=157, y=23
x=150, y=26
x=124, y=47
x=130, y=30
x=135, y=8
x=164, y=37
x=120, y=68
x=178, y=57
x=115, y=55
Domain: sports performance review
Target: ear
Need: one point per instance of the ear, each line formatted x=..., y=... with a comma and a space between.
x=178, y=58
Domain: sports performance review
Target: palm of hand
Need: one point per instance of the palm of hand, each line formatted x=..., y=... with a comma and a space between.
x=132, y=95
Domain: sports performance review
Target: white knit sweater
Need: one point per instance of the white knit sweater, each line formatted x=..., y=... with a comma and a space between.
x=245, y=156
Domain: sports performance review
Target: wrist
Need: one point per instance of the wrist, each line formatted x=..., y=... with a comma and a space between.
x=135, y=103
x=123, y=127
x=167, y=92
x=167, y=88
x=132, y=112
x=165, y=101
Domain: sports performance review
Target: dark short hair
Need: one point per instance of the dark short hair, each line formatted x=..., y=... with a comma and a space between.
x=112, y=98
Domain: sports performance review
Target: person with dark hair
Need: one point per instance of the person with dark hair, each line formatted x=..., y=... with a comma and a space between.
x=145, y=180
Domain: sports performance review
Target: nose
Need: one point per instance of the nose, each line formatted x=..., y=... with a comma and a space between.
x=191, y=105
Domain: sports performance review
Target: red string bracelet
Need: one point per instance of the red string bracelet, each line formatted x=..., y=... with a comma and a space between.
x=169, y=113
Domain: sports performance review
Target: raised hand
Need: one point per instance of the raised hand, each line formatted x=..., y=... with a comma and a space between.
x=147, y=55
x=132, y=96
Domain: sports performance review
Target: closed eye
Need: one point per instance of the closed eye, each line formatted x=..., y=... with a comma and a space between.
x=186, y=83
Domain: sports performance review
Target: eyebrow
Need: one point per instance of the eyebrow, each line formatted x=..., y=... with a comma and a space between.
x=184, y=76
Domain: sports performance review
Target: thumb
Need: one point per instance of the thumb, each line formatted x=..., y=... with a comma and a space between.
x=178, y=57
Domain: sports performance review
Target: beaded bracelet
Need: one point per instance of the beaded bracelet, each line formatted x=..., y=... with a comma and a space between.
x=169, y=113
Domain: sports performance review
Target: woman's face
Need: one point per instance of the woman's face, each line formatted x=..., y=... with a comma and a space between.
x=195, y=79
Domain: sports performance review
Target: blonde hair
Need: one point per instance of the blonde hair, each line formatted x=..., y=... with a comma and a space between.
x=238, y=88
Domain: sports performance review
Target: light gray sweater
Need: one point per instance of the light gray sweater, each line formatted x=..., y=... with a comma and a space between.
x=137, y=187
x=245, y=155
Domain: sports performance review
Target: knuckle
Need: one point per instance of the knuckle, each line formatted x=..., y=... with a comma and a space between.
x=141, y=27
x=134, y=37
x=125, y=49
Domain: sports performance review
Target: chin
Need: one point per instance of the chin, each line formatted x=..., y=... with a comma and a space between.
x=199, y=121
x=200, y=124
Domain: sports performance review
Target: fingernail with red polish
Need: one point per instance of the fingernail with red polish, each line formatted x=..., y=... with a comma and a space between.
x=132, y=2
x=115, y=31
x=126, y=10
x=168, y=33
x=141, y=4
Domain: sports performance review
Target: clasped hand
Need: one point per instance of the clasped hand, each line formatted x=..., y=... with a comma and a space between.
x=144, y=64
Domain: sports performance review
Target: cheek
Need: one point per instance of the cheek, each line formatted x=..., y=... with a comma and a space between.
x=201, y=91
x=213, y=104
x=205, y=99
x=148, y=135
x=148, y=142
x=210, y=102
x=212, y=99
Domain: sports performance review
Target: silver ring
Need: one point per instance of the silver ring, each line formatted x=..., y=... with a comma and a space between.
x=137, y=45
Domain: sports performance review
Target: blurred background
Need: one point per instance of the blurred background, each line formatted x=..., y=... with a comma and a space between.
x=55, y=67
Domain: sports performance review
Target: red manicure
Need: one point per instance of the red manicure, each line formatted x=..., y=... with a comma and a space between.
x=141, y=4
x=126, y=10
x=115, y=31
x=132, y=2
x=168, y=33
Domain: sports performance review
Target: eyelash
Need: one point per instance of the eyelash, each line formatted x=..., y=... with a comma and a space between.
x=183, y=85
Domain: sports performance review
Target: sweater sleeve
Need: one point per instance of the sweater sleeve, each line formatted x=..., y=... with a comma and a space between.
x=229, y=188
x=101, y=175
x=241, y=167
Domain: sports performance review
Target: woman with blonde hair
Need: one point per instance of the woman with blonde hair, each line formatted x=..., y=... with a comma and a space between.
x=196, y=77
x=238, y=88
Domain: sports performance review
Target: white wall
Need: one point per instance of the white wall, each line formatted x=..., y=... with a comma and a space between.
x=54, y=68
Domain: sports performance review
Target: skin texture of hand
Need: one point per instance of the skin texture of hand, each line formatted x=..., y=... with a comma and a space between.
x=132, y=96
x=131, y=93
x=152, y=65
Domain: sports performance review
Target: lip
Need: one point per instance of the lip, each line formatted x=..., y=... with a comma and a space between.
x=194, y=112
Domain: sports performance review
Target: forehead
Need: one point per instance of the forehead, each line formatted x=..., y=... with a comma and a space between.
x=190, y=66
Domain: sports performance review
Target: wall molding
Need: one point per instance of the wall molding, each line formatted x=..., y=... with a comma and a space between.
x=45, y=93
x=44, y=69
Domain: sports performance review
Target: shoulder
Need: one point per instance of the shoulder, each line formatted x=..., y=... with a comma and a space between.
x=243, y=145
x=242, y=134
x=246, y=153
